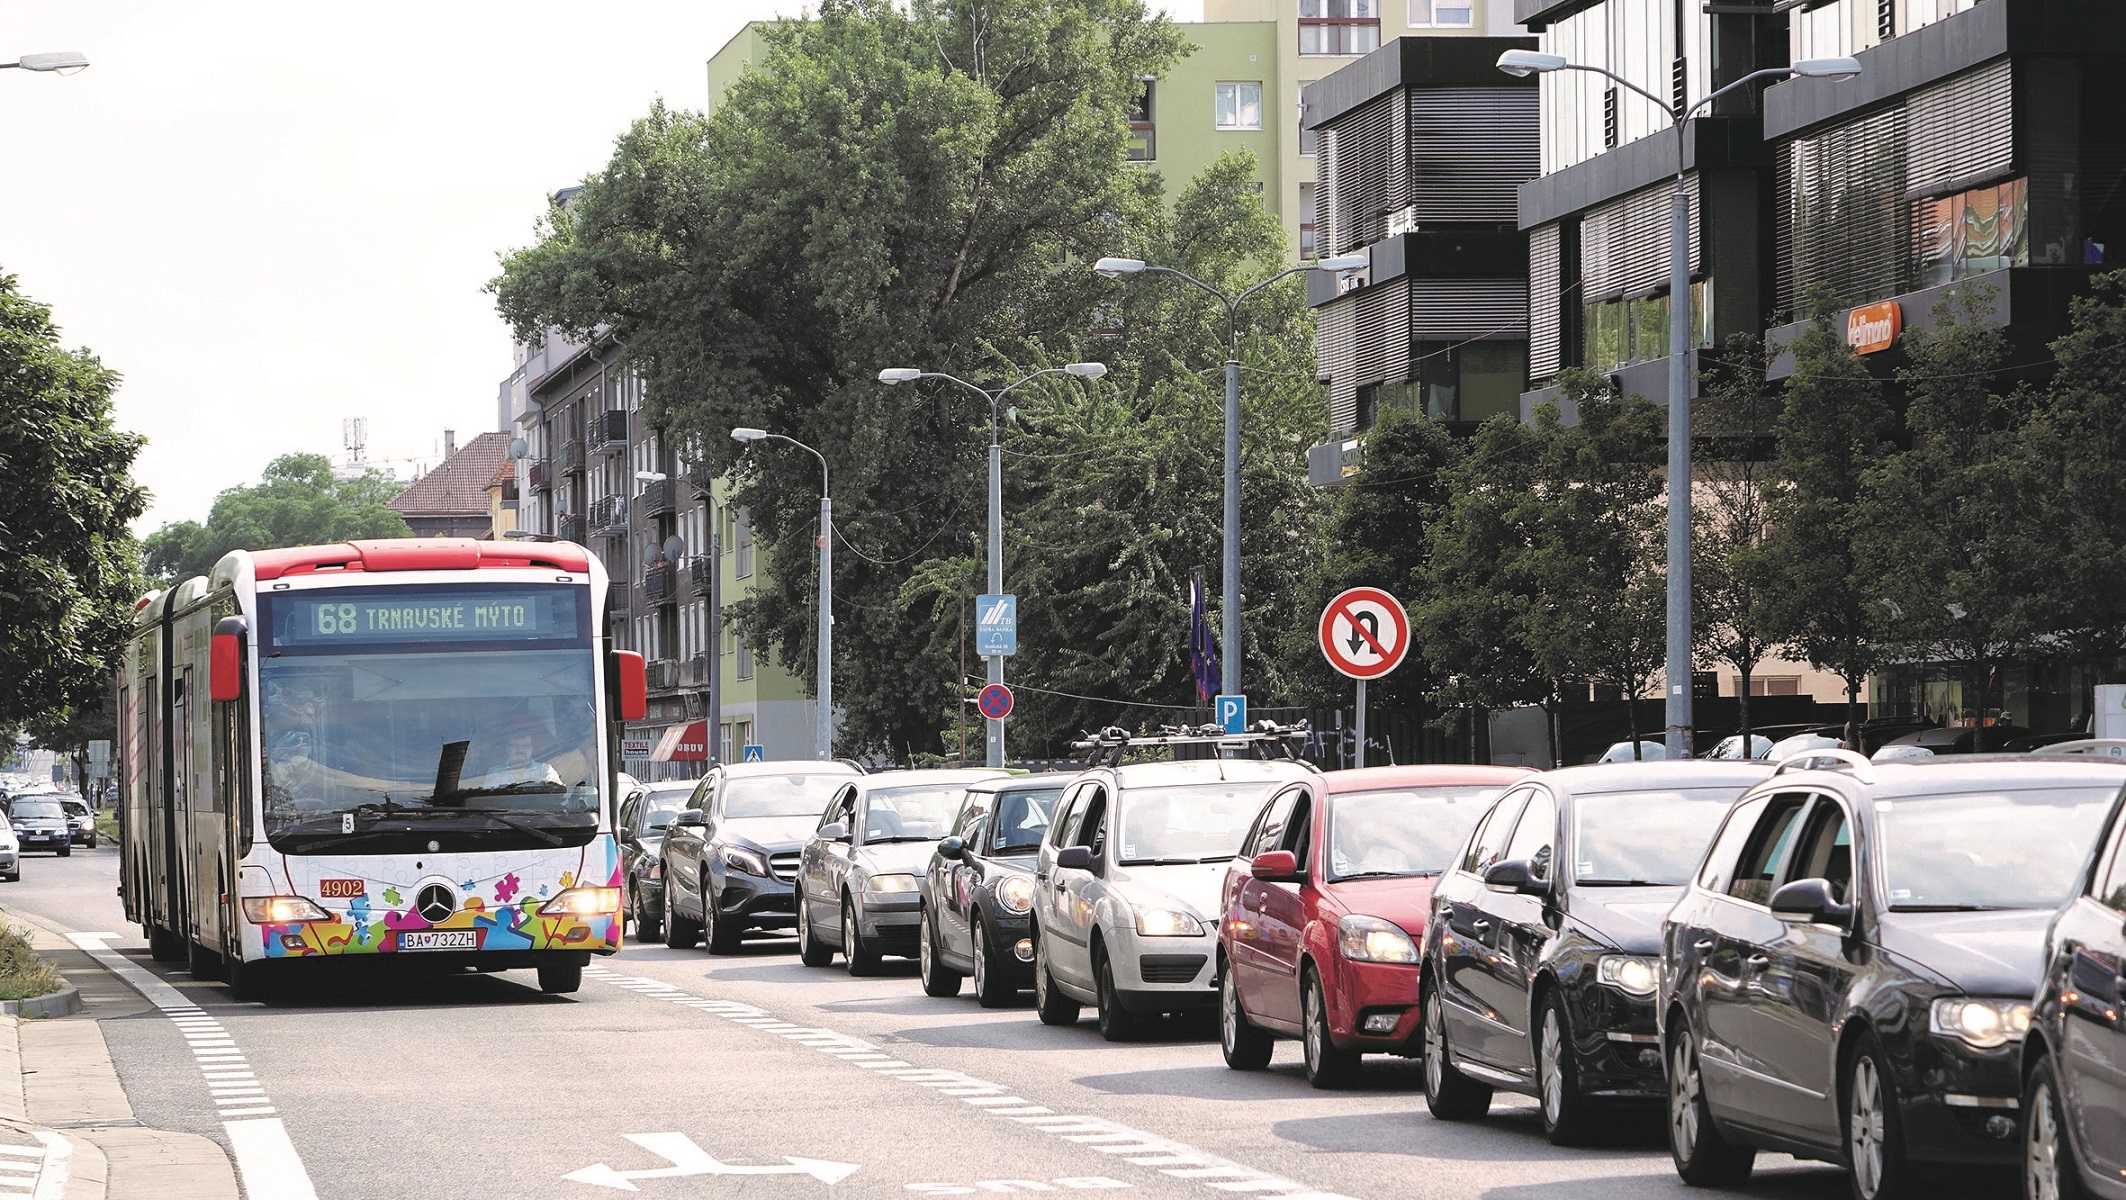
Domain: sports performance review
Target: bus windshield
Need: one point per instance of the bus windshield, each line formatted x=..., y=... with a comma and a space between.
x=402, y=719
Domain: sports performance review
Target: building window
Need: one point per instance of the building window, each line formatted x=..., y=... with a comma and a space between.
x=745, y=659
x=1970, y=233
x=1143, y=130
x=1620, y=332
x=743, y=537
x=1339, y=27
x=1441, y=14
x=1240, y=106
x=1309, y=246
x=1769, y=685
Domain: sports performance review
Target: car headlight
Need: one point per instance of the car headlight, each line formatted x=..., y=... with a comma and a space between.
x=284, y=910
x=1628, y=973
x=740, y=859
x=1981, y=1022
x=656, y=870
x=1165, y=922
x=582, y=902
x=1015, y=893
x=1370, y=939
x=890, y=885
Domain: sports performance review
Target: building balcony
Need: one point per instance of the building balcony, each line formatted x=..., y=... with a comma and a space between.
x=609, y=517
x=660, y=584
x=608, y=432
x=664, y=674
x=542, y=476
x=698, y=669
x=569, y=527
x=700, y=485
x=701, y=570
x=570, y=458
x=657, y=498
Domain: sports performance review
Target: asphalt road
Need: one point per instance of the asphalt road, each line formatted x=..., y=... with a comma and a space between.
x=478, y=1086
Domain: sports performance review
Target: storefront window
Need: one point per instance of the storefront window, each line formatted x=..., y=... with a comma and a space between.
x=1970, y=233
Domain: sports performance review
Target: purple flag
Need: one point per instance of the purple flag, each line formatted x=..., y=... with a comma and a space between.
x=1202, y=646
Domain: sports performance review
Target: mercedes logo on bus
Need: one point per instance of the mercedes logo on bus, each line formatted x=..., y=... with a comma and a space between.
x=435, y=903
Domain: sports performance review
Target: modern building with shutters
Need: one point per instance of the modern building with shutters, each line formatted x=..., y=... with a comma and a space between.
x=596, y=472
x=1980, y=147
x=1423, y=144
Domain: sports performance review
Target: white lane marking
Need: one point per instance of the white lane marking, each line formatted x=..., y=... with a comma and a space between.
x=688, y=1158
x=266, y=1160
x=1175, y=1159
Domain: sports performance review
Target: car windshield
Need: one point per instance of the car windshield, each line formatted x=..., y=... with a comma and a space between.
x=1190, y=822
x=1401, y=831
x=1022, y=818
x=1645, y=839
x=394, y=715
x=777, y=795
x=658, y=806
x=2021, y=849
x=75, y=807
x=38, y=808
x=919, y=812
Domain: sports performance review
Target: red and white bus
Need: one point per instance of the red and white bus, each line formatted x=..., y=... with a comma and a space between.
x=381, y=748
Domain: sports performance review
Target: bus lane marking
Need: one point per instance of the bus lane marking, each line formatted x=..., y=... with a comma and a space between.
x=265, y=1157
x=1177, y=1160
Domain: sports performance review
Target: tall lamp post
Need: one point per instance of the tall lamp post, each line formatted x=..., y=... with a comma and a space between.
x=1229, y=604
x=825, y=687
x=1678, y=661
x=1083, y=370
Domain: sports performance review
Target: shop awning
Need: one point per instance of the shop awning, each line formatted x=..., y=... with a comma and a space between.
x=683, y=743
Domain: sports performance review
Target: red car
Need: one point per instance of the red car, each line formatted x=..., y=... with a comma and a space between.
x=1325, y=908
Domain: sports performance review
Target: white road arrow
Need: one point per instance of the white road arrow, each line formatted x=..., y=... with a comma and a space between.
x=689, y=1159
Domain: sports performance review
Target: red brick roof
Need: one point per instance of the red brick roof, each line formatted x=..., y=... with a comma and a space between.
x=458, y=486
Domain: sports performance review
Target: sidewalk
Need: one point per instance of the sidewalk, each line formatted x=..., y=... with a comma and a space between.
x=67, y=1131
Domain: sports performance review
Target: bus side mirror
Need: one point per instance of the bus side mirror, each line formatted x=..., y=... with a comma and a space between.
x=632, y=677
x=225, y=660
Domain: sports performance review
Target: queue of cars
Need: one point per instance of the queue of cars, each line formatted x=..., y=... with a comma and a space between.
x=1862, y=962
x=40, y=817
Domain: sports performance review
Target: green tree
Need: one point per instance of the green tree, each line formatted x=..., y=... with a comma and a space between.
x=1833, y=431
x=1733, y=423
x=1961, y=556
x=2077, y=457
x=890, y=185
x=68, y=577
x=297, y=502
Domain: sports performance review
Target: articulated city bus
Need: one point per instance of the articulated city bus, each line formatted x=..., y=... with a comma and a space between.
x=399, y=748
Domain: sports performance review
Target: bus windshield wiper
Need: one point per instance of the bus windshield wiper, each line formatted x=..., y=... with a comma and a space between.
x=425, y=813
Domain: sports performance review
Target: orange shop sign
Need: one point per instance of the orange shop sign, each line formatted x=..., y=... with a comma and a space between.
x=1874, y=327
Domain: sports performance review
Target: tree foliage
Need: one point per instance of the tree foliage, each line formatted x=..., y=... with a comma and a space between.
x=297, y=502
x=1733, y=424
x=68, y=576
x=2076, y=452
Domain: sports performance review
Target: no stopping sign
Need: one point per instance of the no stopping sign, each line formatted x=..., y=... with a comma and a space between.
x=1364, y=633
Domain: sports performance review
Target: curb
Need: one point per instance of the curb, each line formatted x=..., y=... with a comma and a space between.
x=63, y=1003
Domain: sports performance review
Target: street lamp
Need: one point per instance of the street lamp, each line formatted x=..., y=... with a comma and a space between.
x=1678, y=662
x=825, y=686
x=65, y=62
x=1083, y=370
x=1230, y=604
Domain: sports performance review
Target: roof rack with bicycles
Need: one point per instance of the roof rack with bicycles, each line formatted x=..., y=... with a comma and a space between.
x=1265, y=740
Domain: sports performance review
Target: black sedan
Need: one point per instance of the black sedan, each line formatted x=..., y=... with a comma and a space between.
x=730, y=856
x=643, y=818
x=2074, y=1059
x=1539, y=959
x=978, y=890
x=1849, y=977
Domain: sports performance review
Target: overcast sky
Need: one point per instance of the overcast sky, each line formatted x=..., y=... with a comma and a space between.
x=273, y=216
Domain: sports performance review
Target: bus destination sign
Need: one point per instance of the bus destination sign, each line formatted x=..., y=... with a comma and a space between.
x=396, y=617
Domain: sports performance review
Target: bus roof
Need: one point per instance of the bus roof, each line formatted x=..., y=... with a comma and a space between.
x=418, y=554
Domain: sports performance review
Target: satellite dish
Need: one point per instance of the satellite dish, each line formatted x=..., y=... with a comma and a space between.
x=519, y=448
x=651, y=553
x=675, y=548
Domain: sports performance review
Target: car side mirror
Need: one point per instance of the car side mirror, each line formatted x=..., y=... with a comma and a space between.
x=834, y=831
x=690, y=819
x=951, y=848
x=1515, y=876
x=1075, y=858
x=1275, y=866
x=1812, y=901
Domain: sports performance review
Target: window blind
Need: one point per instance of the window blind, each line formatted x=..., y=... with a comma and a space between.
x=1962, y=132
x=1546, y=313
x=1624, y=244
x=1470, y=150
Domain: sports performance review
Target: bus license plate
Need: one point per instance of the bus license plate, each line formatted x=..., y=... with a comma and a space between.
x=440, y=939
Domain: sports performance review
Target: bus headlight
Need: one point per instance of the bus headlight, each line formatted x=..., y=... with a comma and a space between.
x=1015, y=893
x=582, y=902
x=284, y=910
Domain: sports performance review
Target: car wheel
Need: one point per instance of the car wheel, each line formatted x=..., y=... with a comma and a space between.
x=1449, y=1094
x=1874, y=1133
x=859, y=958
x=1049, y=1002
x=66, y=849
x=649, y=925
x=558, y=979
x=938, y=981
x=1246, y=1048
x=679, y=932
x=990, y=988
x=2051, y=1170
x=1327, y=1066
x=1568, y=1116
x=92, y=841
x=1117, y=1024
x=722, y=936
x=810, y=950
x=1704, y=1157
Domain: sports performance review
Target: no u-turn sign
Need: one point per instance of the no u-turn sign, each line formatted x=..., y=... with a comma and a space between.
x=1365, y=633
